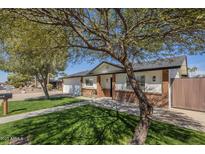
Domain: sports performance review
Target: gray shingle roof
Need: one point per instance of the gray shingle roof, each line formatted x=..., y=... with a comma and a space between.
x=83, y=73
x=161, y=63
x=157, y=64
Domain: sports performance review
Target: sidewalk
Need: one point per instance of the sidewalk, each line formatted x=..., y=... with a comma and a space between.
x=39, y=112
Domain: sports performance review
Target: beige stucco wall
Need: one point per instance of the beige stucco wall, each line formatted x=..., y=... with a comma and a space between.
x=72, y=86
x=183, y=69
x=174, y=73
x=150, y=86
x=106, y=68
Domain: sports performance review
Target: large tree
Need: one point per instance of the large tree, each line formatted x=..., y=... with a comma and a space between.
x=29, y=48
x=128, y=35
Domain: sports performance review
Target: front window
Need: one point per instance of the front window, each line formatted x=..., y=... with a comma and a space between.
x=128, y=85
x=142, y=82
x=140, y=79
x=89, y=82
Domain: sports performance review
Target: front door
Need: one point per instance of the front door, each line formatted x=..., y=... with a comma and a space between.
x=111, y=87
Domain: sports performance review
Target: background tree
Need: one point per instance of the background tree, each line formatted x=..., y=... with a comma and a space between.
x=19, y=80
x=29, y=49
x=192, y=70
x=127, y=36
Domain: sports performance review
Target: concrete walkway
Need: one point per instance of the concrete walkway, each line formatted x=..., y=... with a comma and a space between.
x=182, y=118
x=186, y=119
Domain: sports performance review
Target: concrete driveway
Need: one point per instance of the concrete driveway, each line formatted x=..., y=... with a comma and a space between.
x=194, y=115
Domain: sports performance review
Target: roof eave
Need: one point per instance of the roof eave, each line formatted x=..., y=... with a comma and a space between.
x=140, y=70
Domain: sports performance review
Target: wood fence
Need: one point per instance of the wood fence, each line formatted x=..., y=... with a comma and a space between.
x=189, y=93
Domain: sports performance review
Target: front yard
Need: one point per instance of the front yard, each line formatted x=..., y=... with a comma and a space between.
x=16, y=107
x=93, y=125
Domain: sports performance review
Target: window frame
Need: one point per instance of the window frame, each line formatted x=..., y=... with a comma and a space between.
x=89, y=81
x=140, y=79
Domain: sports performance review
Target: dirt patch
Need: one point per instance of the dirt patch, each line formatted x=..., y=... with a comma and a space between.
x=19, y=141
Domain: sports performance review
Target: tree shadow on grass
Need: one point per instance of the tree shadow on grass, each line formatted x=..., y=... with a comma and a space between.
x=52, y=97
x=43, y=98
x=90, y=125
x=21, y=109
x=82, y=125
x=164, y=133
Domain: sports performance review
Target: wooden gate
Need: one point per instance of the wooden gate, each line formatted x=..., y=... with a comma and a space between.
x=189, y=93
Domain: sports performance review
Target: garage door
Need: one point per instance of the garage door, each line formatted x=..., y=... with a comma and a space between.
x=72, y=86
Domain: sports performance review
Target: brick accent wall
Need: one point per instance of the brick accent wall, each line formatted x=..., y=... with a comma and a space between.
x=165, y=82
x=157, y=100
x=106, y=93
x=113, y=85
x=89, y=92
x=99, y=87
x=81, y=82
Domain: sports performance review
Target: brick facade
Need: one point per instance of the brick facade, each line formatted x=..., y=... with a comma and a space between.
x=165, y=82
x=89, y=92
x=113, y=85
x=157, y=100
x=106, y=93
x=99, y=87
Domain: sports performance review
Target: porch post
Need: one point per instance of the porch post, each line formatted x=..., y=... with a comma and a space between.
x=113, y=85
x=170, y=92
x=81, y=84
x=165, y=86
x=5, y=106
x=99, y=87
x=165, y=82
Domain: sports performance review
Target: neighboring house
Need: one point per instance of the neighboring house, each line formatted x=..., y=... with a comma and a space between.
x=110, y=80
x=56, y=83
x=2, y=87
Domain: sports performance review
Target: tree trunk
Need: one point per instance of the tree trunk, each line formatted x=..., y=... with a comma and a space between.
x=48, y=79
x=35, y=82
x=43, y=83
x=45, y=90
x=145, y=107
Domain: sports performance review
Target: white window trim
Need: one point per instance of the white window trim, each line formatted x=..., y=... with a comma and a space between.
x=136, y=76
x=89, y=85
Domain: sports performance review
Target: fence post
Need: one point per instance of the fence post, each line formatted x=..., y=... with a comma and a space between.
x=5, y=106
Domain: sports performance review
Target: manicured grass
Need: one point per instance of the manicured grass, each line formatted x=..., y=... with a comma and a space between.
x=16, y=107
x=92, y=125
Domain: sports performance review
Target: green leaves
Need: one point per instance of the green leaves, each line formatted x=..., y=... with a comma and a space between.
x=32, y=48
x=19, y=80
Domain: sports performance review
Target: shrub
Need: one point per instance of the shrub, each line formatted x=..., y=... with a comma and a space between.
x=49, y=86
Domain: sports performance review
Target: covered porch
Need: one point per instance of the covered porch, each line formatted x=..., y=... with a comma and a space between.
x=98, y=86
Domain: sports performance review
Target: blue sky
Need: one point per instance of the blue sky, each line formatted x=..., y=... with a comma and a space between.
x=198, y=61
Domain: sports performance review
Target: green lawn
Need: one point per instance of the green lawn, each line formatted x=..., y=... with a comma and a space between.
x=93, y=125
x=16, y=107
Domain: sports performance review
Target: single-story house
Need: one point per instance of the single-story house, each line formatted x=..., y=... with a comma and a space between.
x=110, y=80
x=56, y=83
